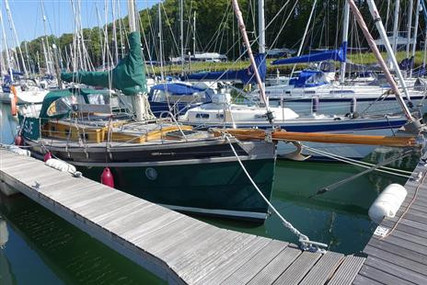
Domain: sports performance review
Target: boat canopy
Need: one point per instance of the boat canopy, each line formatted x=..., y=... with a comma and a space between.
x=128, y=76
x=246, y=76
x=180, y=88
x=58, y=104
x=339, y=54
x=309, y=78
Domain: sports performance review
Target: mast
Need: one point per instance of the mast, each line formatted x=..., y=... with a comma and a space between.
x=374, y=48
x=45, y=56
x=408, y=36
x=101, y=34
x=160, y=43
x=261, y=24
x=181, y=19
x=194, y=33
x=27, y=55
x=414, y=38
x=396, y=25
x=116, y=50
x=9, y=64
x=304, y=35
x=345, y=38
x=378, y=23
x=138, y=101
x=250, y=54
x=12, y=26
x=46, y=42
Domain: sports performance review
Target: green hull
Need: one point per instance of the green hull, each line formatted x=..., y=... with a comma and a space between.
x=220, y=189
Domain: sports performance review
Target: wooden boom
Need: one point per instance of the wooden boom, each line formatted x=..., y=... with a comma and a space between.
x=400, y=141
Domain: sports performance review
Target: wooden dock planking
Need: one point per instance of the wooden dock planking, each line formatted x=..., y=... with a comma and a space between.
x=217, y=268
x=195, y=270
x=275, y=267
x=298, y=269
x=401, y=257
x=323, y=269
x=177, y=248
x=228, y=267
x=347, y=271
x=248, y=270
x=396, y=270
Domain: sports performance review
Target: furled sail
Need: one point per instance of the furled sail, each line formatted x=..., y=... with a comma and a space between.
x=246, y=75
x=339, y=54
x=128, y=76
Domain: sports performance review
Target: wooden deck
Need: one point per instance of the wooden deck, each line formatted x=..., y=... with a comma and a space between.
x=401, y=256
x=175, y=247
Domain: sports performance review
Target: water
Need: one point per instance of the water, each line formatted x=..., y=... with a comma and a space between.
x=8, y=124
x=42, y=248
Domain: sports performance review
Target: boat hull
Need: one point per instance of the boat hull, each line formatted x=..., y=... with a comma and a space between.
x=202, y=178
x=344, y=105
x=217, y=189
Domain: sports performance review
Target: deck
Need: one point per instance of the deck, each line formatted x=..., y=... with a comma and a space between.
x=175, y=247
x=397, y=252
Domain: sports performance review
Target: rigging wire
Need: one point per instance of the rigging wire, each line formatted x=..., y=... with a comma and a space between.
x=305, y=242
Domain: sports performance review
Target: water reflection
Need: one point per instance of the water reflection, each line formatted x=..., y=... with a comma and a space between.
x=45, y=249
x=6, y=274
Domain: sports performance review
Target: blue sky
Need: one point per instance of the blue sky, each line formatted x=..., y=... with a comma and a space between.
x=27, y=15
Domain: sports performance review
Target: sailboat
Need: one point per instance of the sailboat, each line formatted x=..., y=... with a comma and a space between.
x=330, y=95
x=223, y=113
x=159, y=160
x=16, y=87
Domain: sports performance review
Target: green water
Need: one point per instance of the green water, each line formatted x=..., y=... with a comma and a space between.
x=42, y=248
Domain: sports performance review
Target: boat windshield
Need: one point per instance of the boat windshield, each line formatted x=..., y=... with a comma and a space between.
x=61, y=106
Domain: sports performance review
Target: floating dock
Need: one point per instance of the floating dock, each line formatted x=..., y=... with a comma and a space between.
x=175, y=247
x=397, y=252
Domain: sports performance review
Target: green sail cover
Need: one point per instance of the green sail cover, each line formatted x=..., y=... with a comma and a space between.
x=128, y=76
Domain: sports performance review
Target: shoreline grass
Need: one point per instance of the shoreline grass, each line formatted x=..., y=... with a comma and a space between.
x=192, y=67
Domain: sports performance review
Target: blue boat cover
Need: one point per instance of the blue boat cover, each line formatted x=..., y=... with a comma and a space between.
x=308, y=78
x=246, y=75
x=179, y=88
x=339, y=54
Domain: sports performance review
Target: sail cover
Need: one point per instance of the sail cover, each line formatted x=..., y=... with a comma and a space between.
x=128, y=76
x=339, y=54
x=246, y=75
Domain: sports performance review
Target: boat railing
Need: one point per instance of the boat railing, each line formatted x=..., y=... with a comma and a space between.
x=168, y=114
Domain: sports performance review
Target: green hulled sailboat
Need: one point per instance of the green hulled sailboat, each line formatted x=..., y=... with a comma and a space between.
x=158, y=160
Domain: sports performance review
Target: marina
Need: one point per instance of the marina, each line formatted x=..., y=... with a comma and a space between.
x=120, y=163
x=196, y=253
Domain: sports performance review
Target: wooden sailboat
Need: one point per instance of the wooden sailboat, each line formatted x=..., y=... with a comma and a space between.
x=159, y=160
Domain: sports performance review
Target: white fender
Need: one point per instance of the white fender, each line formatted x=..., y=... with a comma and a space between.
x=387, y=203
x=60, y=165
x=18, y=150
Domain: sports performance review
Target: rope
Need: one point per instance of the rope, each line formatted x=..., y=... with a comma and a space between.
x=351, y=178
x=305, y=242
x=366, y=165
x=407, y=208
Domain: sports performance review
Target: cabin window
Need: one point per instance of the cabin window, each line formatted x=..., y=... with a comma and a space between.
x=202, y=116
x=98, y=99
x=84, y=137
x=341, y=92
x=220, y=116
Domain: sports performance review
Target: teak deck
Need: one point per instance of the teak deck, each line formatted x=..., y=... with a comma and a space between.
x=401, y=257
x=173, y=246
